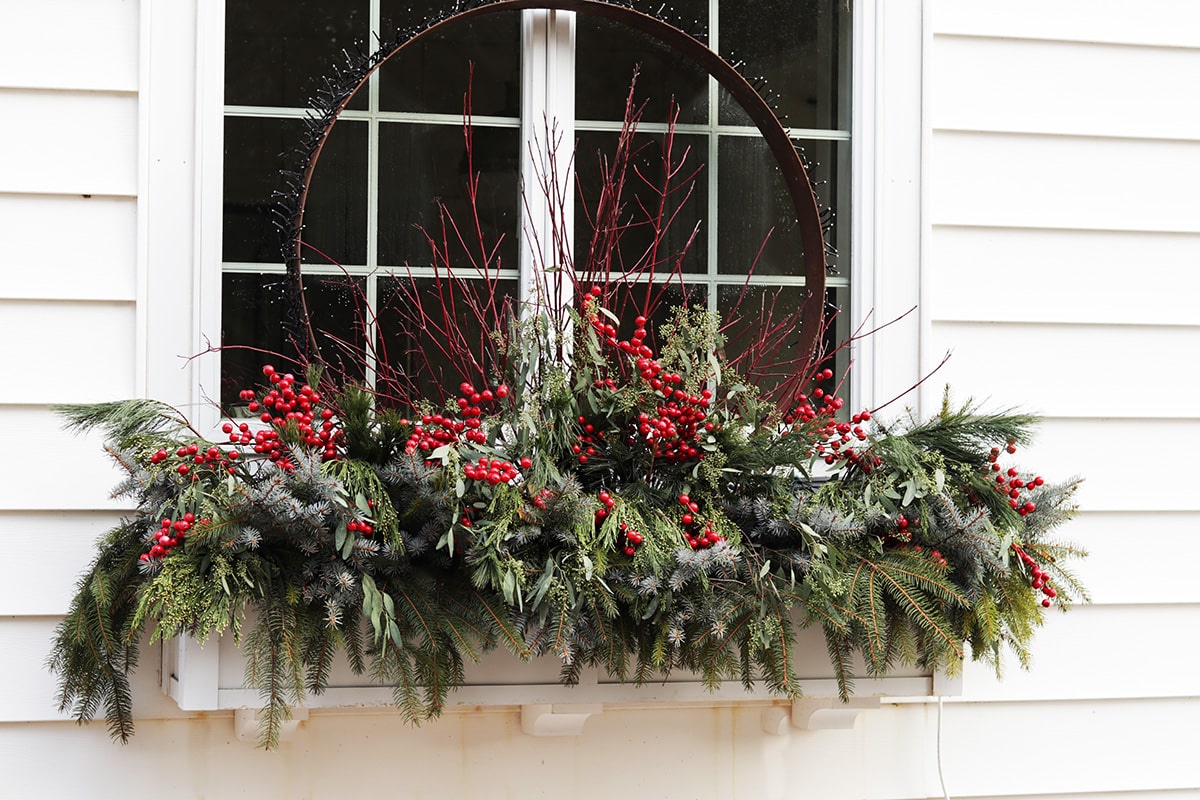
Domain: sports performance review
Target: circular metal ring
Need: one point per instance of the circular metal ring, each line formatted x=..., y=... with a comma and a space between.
x=786, y=156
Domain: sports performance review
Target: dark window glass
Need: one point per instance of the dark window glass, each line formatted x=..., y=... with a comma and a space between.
x=644, y=209
x=431, y=74
x=260, y=327
x=606, y=56
x=423, y=322
x=796, y=45
x=420, y=165
x=277, y=51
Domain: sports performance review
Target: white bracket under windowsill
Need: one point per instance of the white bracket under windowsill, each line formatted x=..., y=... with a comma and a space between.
x=816, y=714
x=557, y=719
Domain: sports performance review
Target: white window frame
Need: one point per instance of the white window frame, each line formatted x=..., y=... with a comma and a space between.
x=180, y=241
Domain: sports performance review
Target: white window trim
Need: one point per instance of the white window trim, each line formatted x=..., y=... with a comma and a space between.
x=180, y=236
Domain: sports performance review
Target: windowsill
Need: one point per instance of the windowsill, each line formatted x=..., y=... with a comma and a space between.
x=209, y=678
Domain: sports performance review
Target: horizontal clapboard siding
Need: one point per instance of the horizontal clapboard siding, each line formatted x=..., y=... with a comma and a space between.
x=69, y=247
x=1060, y=274
x=69, y=44
x=1061, y=237
x=73, y=143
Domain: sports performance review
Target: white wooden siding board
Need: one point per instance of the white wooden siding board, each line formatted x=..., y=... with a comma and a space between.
x=1071, y=747
x=1117, y=571
x=723, y=752
x=1037, y=275
x=1029, y=181
x=28, y=691
x=1167, y=23
x=68, y=143
x=68, y=247
x=66, y=352
x=1084, y=89
x=69, y=44
x=1123, y=461
x=56, y=545
x=1073, y=370
x=57, y=470
x=1075, y=656
x=713, y=753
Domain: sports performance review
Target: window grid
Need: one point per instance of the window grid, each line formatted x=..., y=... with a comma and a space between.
x=711, y=280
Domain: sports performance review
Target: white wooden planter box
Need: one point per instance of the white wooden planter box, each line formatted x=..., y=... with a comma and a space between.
x=210, y=678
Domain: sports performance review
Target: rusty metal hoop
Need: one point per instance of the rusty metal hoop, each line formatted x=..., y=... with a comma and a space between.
x=774, y=134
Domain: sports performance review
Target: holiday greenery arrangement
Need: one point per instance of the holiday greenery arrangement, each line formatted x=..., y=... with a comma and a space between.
x=637, y=510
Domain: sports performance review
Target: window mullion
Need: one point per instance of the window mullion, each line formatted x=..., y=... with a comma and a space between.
x=547, y=116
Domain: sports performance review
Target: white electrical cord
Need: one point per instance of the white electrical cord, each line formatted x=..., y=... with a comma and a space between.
x=941, y=777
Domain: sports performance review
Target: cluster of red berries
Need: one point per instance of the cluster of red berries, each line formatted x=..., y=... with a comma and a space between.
x=630, y=540
x=671, y=430
x=585, y=445
x=285, y=405
x=902, y=530
x=363, y=527
x=192, y=456
x=697, y=536
x=435, y=430
x=493, y=470
x=608, y=502
x=1040, y=579
x=539, y=499
x=834, y=437
x=805, y=411
x=170, y=535
x=1012, y=484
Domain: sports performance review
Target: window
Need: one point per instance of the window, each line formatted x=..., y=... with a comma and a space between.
x=399, y=146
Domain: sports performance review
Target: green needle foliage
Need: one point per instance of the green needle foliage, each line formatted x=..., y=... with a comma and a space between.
x=620, y=511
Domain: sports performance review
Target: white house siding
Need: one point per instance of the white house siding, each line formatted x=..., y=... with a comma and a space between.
x=1060, y=268
x=1059, y=238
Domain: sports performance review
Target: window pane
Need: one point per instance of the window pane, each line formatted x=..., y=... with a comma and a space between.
x=335, y=218
x=754, y=210
x=754, y=202
x=762, y=329
x=796, y=45
x=414, y=351
x=336, y=213
x=641, y=200
x=420, y=164
x=254, y=154
x=256, y=315
x=276, y=51
x=605, y=57
x=431, y=75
